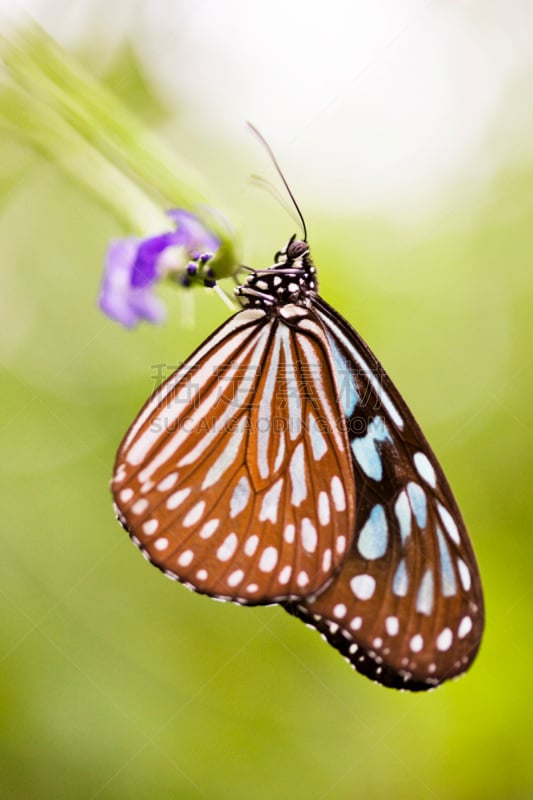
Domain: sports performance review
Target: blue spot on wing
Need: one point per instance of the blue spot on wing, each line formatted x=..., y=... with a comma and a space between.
x=365, y=449
x=449, y=586
x=348, y=394
x=402, y=509
x=373, y=538
x=417, y=496
x=424, y=599
x=400, y=583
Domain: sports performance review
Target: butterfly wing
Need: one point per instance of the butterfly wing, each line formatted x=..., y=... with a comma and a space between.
x=406, y=609
x=226, y=481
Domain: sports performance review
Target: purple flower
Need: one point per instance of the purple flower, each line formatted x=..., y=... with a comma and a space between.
x=133, y=267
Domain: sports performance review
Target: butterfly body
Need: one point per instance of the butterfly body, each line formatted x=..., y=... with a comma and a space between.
x=281, y=465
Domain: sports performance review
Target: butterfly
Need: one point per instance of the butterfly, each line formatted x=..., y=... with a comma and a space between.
x=279, y=464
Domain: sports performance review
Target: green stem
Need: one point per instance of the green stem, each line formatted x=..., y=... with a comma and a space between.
x=68, y=116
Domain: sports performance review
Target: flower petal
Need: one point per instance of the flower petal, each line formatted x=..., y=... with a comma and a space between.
x=133, y=267
x=191, y=232
x=147, y=306
x=144, y=270
x=116, y=281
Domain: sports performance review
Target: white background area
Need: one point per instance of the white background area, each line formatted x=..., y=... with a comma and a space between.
x=383, y=105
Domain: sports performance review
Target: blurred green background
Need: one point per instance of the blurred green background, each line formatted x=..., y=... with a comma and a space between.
x=117, y=683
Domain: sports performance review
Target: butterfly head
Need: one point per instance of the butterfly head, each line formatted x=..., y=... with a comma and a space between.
x=290, y=280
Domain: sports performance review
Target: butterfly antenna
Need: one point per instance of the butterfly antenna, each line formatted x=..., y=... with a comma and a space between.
x=281, y=175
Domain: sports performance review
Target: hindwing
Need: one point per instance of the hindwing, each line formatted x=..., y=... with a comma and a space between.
x=406, y=608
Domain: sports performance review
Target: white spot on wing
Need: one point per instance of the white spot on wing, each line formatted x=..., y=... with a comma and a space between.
x=177, y=498
x=297, y=473
x=251, y=545
x=302, y=579
x=424, y=599
x=270, y=503
x=120, y=474
x=194, y=515
x=425, y=469
x=363, y=586
x=290, y=311
x=240, y=497
x=285, y=575
x=209, y=528
x=236, y=577
x=228, y=547
x=161, y=544
x=167, y=483
x=126, y=495
x=340, y=545
x=465, y=626
x=464, y=574
x=150, y=527
x=186, y=558
x=140, y=506
x=339, y=611
x=289, y=533
x=449, y=523
x=337, y=493
x=268, y=560
x=324, y=514
x=444, y=640
x=392, y=625
x=417, y=643
x=309, y=535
